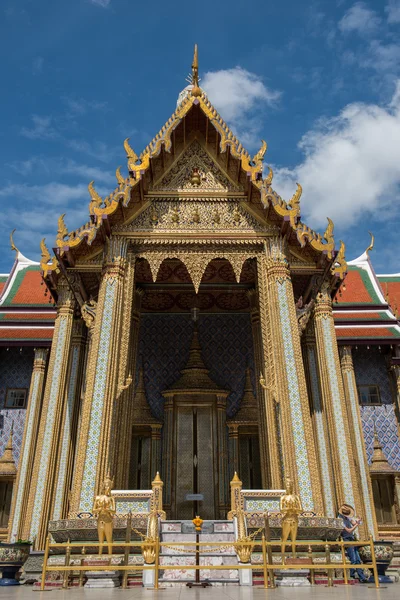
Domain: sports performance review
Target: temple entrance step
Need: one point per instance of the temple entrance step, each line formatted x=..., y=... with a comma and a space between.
x=173, y=532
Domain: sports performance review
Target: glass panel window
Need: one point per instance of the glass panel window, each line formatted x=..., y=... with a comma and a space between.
x=369, y=394
x=16, y=398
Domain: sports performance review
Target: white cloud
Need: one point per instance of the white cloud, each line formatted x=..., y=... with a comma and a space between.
x=61, y=167
x=350, y=167
x=99, y=150
x=80, y=106
x=52, y=193
x=359, y=18
x=42, y=129
x=102, y=3
x=235, y=93
x=393, y=11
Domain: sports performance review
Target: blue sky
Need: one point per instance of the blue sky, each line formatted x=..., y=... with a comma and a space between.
x=318, y=80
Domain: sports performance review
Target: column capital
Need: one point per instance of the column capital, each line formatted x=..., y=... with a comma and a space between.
x=115, y=256
x=276, y=258
x=346, y=359
x=66, y=300
x=323, y=302
x=40, y=358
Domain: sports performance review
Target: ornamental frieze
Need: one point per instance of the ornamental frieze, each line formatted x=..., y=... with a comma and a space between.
x=192, y=216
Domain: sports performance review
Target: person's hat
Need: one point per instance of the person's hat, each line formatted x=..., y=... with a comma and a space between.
x=347, y=510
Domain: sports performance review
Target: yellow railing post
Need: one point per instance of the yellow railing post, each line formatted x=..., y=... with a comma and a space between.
x=328, y=562
x=312, y=572
x=127, y=549
x=157, y=542
x=45, y=559
x=345, y=576
x=66, y=564
x=264, y=555
x=269, y=550
x=373, y=557
x=81, y=573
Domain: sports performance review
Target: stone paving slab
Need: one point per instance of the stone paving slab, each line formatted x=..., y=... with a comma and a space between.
x=354, y=592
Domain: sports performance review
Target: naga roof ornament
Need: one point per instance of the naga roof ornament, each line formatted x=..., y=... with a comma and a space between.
x=47, y=262
x=371, y=246
x=339, y=268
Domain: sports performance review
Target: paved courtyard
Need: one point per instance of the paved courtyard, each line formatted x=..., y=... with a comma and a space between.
x=391, y=592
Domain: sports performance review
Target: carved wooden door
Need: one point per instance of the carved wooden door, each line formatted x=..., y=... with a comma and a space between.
x=194, y=462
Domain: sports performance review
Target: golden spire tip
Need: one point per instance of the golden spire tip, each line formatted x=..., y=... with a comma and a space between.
x=196, y=91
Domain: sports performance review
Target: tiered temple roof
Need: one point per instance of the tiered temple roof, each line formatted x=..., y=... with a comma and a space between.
x=26, y=308
x=363, y=311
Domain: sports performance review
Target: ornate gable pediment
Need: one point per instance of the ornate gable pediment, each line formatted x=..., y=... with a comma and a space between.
x=196, y=171
x=195, y=215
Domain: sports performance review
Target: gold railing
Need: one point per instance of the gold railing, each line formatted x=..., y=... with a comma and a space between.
x=267, y=565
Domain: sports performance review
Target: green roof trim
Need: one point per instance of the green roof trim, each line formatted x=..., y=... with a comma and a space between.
x=388, y=279
x=16, y=285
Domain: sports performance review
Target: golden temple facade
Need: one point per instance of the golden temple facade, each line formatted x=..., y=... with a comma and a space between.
x=194, y=335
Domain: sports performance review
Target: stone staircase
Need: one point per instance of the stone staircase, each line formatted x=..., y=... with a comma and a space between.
x=174, y=532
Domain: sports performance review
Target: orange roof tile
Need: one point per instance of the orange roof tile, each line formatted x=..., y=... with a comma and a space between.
x=360, y=315
x=27, y=290
x=14, y=333
x=358, y=289
x=391, y=289
x=367, y=332
x=23, y=316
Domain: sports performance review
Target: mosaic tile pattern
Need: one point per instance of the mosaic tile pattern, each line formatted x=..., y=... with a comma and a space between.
x=123, y=507
x=370, y=369
x=321, y=436
x=360, y=450
x=66, y=434
x=227, y=349
x=261, y=504
x=15, y=372
x=48, y=432
x=96, y=416
x=337, y=411
x=385, y=421
x=303, y=471
x=24, y=461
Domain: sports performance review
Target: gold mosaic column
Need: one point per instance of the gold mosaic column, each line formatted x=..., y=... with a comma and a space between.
x=297, y=440
x=269, y=413
x=69, y=423
x=334, y=402
x=358, y=444
x=318, y=415
x=23, y=482
x=96, y=442
x=266, y=476
x=42, y=483
x=125, y=439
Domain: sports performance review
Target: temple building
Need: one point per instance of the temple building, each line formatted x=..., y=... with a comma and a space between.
x=196, y=326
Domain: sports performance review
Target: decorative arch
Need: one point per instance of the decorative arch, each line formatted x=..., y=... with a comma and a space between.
x=196, y=261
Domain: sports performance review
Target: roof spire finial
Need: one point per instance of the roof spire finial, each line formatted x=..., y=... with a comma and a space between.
x=370, y=247
x=196, y=91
